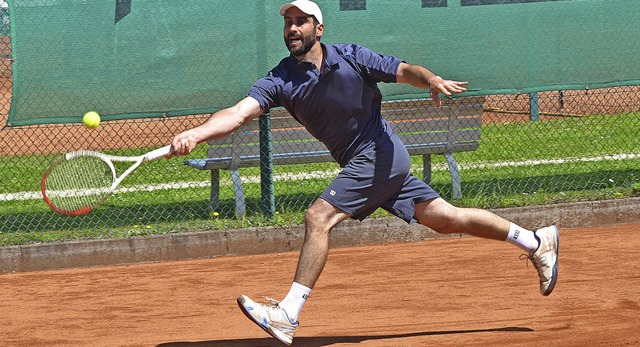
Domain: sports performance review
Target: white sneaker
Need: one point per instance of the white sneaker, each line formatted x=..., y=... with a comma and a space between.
x=270, y=317
x=545, y=257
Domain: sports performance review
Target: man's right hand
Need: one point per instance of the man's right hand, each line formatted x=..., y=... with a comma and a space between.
x=182, y=145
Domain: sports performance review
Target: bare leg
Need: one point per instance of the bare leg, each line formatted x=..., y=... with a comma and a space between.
x=445, y=218
x=319, y=221
x=280, y=318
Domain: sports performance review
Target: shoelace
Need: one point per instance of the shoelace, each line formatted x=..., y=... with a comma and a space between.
x=271, y=301
x=526, y=257
x=537, y=262
x=275, y=304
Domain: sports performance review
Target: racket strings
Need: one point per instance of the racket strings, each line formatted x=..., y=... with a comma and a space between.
x=78, y=183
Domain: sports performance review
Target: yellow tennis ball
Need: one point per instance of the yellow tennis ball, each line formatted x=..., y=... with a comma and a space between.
x=91, y=120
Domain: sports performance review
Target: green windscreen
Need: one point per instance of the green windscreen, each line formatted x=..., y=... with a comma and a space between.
x=158, y=58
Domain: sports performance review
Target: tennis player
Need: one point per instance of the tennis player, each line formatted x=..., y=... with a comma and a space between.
x=332, y=91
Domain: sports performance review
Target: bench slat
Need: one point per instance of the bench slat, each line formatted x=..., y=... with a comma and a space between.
x=433, y=112
x=464, y=136
x=241, y=137
x=297, y=134
x=284, y=122
x=432, y=125
x=419, y=103
x=277, y=122
x=254, y=160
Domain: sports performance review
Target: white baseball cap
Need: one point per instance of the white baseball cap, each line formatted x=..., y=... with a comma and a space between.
x=306, y=6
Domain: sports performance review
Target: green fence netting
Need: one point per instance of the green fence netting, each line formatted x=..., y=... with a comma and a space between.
x=152, y=61
x=150, y=58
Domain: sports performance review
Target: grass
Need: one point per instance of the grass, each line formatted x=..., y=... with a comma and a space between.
x=499, y=174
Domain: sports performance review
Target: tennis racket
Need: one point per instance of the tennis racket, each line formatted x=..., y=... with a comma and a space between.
x=81, y=181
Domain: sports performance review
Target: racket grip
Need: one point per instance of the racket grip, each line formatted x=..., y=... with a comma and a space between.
x=158, y=153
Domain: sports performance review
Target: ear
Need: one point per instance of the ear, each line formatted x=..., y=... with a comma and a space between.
x=319, y=29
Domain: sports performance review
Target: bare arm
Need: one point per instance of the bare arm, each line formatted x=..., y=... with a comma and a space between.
x=421, y=77
x=220, y=124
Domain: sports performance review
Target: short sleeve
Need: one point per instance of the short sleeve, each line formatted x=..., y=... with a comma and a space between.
x=265, y=91
x=379, y=67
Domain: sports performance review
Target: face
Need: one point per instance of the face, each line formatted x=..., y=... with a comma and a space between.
x=300, y=33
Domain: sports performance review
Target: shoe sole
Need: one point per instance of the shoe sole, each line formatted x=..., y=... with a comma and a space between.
x=554, y=276
x=273, y=334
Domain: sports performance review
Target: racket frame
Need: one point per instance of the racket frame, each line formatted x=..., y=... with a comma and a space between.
x=108, y=159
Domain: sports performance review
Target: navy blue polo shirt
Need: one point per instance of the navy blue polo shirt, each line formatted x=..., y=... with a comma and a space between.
x=339, y=106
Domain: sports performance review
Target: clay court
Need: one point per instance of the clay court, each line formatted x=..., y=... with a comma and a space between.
x=446, y=292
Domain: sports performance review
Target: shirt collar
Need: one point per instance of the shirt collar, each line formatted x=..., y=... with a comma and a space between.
x=331, y=61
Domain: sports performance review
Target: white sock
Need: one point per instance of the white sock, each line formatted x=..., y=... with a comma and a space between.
x=522, y=238
x=293, y=302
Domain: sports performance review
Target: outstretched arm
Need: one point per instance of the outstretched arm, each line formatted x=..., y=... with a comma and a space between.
x=220, y=124
x=421, y=77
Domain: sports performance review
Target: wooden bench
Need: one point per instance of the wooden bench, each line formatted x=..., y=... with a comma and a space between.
x=278, y=139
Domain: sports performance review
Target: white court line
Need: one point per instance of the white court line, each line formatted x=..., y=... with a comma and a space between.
x=326, y=174
x=550, y=161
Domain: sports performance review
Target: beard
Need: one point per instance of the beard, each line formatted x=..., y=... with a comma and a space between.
x=305, y=47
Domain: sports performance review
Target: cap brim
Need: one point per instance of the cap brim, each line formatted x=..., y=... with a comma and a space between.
x=309, y=8
x=285, y=8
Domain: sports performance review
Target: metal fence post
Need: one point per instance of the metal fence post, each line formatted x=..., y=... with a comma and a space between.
x=267, y=202
x=534, y=107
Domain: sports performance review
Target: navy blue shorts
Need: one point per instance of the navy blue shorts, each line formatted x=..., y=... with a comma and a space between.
x=379, y=178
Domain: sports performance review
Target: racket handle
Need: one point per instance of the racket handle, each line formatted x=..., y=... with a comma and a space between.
x=157, y=153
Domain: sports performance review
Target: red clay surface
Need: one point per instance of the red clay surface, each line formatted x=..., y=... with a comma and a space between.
x=449, y=292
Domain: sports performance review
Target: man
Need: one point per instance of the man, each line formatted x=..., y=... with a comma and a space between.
x=332, y=91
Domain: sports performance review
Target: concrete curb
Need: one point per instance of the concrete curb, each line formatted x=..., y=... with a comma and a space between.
x=185, y=246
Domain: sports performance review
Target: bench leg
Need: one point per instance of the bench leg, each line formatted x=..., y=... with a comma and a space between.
x=239, y=192
x=426, y=168
x=214, y=198
x=455, y=175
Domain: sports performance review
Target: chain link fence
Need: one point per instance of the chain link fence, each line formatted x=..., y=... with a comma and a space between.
x=534, y=148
